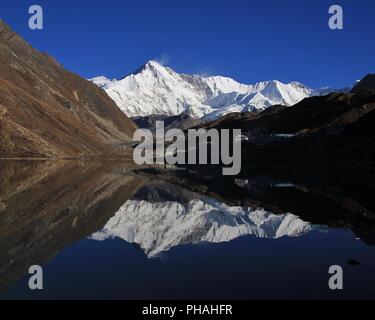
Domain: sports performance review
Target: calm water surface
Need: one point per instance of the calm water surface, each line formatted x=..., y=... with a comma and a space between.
x=114, y=231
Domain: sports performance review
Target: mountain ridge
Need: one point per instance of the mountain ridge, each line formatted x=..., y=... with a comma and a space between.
x=154, y=89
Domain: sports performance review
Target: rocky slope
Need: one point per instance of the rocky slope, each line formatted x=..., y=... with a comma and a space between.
x=336, y=128
x=48, y=111
x=182, y=121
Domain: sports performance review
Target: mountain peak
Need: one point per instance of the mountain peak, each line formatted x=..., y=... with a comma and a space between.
x=153, y=64
x=150, y=65
x=156, y=89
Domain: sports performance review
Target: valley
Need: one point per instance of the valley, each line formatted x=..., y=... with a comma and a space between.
x=74, y=200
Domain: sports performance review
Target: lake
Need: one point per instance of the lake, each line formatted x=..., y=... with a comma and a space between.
x=115, y=231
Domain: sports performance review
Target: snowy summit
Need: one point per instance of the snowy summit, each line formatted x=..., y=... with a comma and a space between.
x=158, y=90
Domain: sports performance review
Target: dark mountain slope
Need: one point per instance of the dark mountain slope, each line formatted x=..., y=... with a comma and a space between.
x=335, y=109
x=367, y=82
x=182, y=121
x=311, y=113
x=337, y=128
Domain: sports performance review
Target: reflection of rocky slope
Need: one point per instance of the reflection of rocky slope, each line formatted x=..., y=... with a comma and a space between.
x=45, y=206
x=48, y=111
x=158, y=225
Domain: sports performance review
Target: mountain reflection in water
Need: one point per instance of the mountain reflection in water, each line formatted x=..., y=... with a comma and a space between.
x=159, y=225
x=72, y=217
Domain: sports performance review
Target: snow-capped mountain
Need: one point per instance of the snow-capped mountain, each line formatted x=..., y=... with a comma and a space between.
x=157, y=90
x=160, y=226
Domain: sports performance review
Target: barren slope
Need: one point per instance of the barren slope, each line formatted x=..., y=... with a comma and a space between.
x=48, y=111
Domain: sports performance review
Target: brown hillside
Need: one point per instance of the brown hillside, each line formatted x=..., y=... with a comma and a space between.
x=46, y=110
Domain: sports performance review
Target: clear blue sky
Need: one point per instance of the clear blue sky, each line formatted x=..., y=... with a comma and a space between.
x=249, y=40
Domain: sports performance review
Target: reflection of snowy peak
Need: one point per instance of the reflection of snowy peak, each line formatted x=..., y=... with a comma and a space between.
x=159, y=226
x=155, y=89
